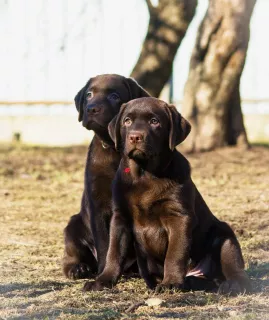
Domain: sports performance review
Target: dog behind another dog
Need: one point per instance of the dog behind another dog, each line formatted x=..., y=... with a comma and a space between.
x=87, y=233
x=157, y=206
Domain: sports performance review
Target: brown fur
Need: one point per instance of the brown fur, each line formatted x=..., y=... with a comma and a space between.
x=87, y=233
x=158, y=207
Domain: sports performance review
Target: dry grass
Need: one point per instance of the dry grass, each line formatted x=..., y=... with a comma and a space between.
x=41, y=189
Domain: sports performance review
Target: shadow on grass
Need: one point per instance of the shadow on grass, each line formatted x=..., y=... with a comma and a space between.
x=53, y=314
x=260, y=144
x=101, y=314
x=258, y=270
x=174, y=315
x=10, y=290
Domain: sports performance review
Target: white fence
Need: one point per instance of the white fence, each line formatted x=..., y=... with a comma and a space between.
x=49, y=48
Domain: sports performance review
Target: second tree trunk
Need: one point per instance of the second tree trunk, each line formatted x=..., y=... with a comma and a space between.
x=211, y=97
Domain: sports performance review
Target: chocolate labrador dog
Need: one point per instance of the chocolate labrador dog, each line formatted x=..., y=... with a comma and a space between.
x=158, y=207
x=87, y=233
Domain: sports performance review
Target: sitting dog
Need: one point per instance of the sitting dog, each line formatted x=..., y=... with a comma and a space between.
x=87, y=233
x=158, y=207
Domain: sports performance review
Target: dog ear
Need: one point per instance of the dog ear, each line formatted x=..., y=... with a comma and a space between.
x=179, y=127
x=79, y=100
x=135, y=90
x=114, y=127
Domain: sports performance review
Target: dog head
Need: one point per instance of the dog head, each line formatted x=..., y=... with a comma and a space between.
x=101, y=98
x=147, y=127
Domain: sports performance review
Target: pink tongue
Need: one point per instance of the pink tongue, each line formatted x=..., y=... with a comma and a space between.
x=202, y=268
x=195, y=273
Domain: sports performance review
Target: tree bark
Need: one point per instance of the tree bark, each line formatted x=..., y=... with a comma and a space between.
x=211, y=97
x=168, y=24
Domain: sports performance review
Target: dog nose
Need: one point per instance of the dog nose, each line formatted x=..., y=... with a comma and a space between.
x=93, y=109
x=136, y=138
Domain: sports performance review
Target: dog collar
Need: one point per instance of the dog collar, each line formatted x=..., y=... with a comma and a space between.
x=104, y=145
x=128, y=170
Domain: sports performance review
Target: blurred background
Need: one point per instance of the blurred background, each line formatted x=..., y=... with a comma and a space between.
x=210, y=58
x=49, y=49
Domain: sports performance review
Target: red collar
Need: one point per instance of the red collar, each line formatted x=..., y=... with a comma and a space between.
x=128, y=170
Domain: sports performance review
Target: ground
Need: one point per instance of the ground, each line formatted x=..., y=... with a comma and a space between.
x=41, y=189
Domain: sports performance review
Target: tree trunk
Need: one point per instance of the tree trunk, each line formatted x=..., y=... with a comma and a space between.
x=168, y=24
x=211, y=96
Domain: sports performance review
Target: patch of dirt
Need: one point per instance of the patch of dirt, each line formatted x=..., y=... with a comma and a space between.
x=41, y=188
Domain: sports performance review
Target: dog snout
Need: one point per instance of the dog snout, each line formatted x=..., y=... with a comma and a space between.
x=93, y=109
x=136, y=137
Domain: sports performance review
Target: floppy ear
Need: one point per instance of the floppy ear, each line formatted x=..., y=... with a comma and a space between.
x=79, y=100
x=135, y=90
x=179, y=127
x=114, y=127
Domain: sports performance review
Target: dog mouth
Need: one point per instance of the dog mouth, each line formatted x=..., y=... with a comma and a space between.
x=90, y=123
x=137, y=154
x=100, y=130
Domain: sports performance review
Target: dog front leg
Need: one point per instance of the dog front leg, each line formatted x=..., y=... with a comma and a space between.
x=100, y=231
x=179, y=231
x=119, y=244
x=143, y=267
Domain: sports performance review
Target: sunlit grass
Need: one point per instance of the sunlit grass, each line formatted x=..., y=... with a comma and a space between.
x=41, y=188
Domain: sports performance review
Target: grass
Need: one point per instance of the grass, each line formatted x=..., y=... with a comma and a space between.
x=41, y=189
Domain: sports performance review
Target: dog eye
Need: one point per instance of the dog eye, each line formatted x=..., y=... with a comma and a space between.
x=114, y=96
x=154, y=121
x=127, y=121
x=89, y=94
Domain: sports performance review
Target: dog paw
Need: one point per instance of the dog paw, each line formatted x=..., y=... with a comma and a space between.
x=234, y=287
x=80, y=271
x=95, y=286
x=192, y=283
x=162, y=287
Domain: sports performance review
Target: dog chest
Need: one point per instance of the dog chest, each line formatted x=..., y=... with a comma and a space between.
x=148, y=204
x=152, y=238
